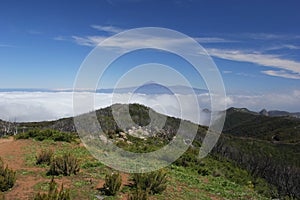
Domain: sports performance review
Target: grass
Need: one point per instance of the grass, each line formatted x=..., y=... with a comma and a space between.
x=183, y=182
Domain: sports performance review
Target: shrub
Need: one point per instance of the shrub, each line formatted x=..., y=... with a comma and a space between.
x=112, y=183
x=7, y=177
x=203, y=171
x=66, y=165
x=53, y=193
x=47, y=134
x=138, y=194
x=44, y=157
x=154, y=182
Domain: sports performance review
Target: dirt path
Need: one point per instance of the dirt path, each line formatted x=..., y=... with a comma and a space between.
x=12, y=153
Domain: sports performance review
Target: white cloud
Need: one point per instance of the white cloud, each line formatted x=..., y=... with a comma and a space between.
x=288, y=101
x=212, y=40
x=109, y=29
x=291, y=67
x=270, y=36
x=39, y=106
x=283, y=46
x=91, y=41
x=227, y=72
x=282, y=73
x=268, y=60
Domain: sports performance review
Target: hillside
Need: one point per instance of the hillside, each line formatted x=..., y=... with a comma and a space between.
x=257, y=145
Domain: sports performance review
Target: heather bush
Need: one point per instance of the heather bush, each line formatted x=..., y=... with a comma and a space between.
x=112, y=183
x=44, y=157
x=153, y=182
x=7, y=177
x=66, y=165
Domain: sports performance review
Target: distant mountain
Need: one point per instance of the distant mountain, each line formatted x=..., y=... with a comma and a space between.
x=278, y=113
x=150, y=88
x=153, y=88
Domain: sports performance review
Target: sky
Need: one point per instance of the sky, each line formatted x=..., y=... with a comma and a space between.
x=254, y=44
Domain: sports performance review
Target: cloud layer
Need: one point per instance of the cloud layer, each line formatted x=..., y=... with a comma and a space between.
x=39, y=106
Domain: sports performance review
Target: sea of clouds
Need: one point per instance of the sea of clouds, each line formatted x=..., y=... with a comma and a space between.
x=40, y=106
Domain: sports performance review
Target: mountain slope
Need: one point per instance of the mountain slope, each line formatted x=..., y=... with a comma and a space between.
x=264, y=146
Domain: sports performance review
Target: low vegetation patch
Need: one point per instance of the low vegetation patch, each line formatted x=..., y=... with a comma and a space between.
x=7, y=177
x=66, y=165
x=53, y=193
x=138, y=194
x=112, y=183
x=44, y=157
x=47, y=134
x=153, y=182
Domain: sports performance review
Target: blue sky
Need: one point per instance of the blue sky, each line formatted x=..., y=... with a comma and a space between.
x=255, y=44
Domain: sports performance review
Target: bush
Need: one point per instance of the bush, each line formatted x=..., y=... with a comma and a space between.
x=112, y=183
x=138, y=194
x=153, y=182
x=203, y=171
x=65, y=165
x=44, y=157
x=7, y=177
x=47, y=134
x=53, y=193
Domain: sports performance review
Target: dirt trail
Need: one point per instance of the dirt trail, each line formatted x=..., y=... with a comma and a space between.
x=12, y=153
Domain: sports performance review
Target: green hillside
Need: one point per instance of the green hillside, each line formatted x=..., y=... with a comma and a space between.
x=257, y=154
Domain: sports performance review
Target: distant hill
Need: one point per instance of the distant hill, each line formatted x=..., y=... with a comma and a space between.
x=245, y=123
x=278, y=113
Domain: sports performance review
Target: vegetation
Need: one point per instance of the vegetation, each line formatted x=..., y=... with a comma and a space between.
x=44, y=157
x=7, y=177
x=152, y=183
x=138, y=194
x=112, y=183
x=66, y=165
x=257, y=157
x=53, y=193
x=47, y=134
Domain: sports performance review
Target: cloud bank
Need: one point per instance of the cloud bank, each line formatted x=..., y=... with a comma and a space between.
x=40, y=106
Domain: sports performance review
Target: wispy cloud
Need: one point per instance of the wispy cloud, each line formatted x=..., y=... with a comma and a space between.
x=109, y=29
x=138, y=40
x=291, y=68
x=90, y=41
x=268, y=36
x=282, y=73
x=212, y=40
x=6, y=45
x=60, y=38
x=283, y=46
x=268, y=60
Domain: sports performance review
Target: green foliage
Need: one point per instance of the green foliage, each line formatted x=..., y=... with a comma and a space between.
x=53, y=193
x=47, y=134
x=112, y=183
x=7, y=177
x=142, y=146
x=44, y=157
x=153, y=182
x=66, y=165
x=138, y=194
